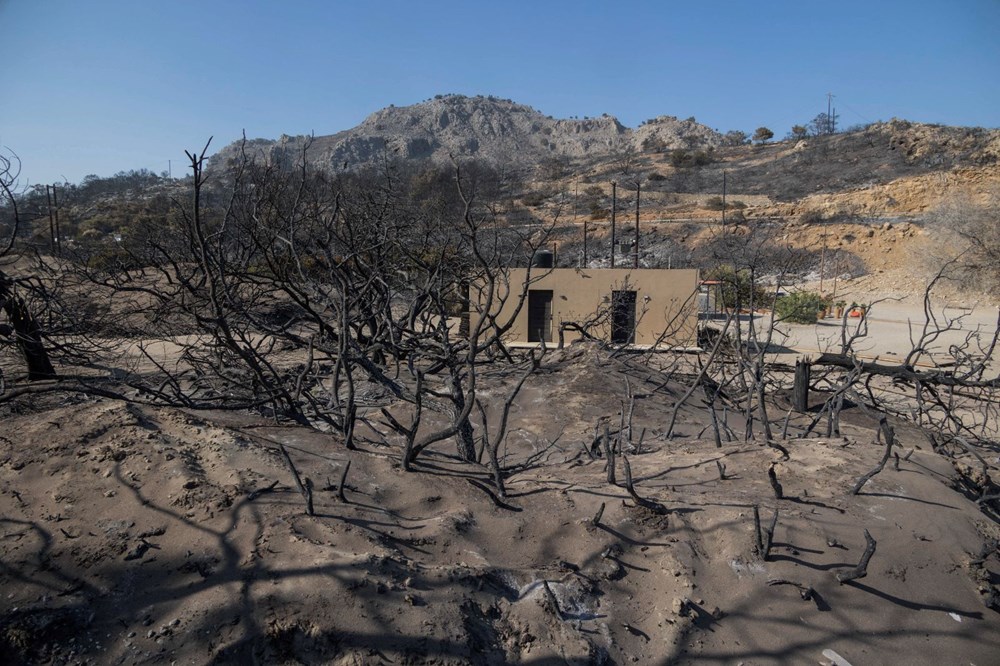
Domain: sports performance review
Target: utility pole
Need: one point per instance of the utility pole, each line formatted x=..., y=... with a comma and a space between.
x=614, y=206
x=635, y=249
x=52, y=224
x=723, y=197
x=55, y=204
x=829, y=111
x=576, y=199
x=822, y=264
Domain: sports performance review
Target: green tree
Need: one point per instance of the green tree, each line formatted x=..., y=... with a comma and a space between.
x=763, y=135
x=799, y=132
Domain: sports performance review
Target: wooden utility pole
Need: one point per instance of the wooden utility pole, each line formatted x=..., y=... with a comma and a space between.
x=584, y=242
x=52, y=224
x=723, y=197
x=635, y=249
x=822, y=264
x=614, y=206
x=576, y=199
x=830, y=122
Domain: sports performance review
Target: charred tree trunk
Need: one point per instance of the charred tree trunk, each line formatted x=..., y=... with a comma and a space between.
x=800, y=390
x=464, y=437
x=27, y=332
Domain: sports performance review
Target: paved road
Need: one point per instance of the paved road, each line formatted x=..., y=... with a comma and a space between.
x=892, y=328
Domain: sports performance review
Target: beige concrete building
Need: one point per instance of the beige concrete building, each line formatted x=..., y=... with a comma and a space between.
x=644, y=307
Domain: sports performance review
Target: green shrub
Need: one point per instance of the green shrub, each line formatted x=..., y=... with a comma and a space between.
x=738, y=289
x=681, y=158
x=801, y=307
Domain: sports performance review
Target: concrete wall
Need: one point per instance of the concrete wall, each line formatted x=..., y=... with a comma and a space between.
x=666, y=301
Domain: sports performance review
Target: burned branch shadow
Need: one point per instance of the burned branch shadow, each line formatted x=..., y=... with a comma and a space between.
x=913, y=605
x=904, y=497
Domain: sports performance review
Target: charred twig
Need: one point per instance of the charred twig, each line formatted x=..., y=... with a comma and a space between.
x=500, y=504
x=890, y=437
x=764, y=536
x=597, y=516
x=721, y=466
x=343, y=483
x=756, y=530
x=805, y=591
x=254, y=494
x=784, y=427
x=551, y=599
x=609, y=454
x=772, y=478
x=309, y=495
x=861, y=570
x=778, y=447
x=306, y=493
x=649, y=504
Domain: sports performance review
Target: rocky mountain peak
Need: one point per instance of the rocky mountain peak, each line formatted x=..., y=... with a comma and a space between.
x=486, y=127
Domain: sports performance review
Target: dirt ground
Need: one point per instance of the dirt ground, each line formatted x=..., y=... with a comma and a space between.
x=136, y=534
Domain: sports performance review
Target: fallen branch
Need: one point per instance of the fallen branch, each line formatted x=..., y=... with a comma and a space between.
x=861, y=570
x=493, y=496
x=805, y=591
x=778, y=447
x=932, y=377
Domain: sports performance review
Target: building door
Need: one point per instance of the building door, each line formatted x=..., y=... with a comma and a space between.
x=540, y=315
x=623, y=317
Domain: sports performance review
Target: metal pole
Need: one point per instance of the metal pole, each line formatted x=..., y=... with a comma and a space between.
x=55, y=204
x=638, y=189
x=614, y=205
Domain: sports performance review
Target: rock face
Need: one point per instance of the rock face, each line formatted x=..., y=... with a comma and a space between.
x=485, y=127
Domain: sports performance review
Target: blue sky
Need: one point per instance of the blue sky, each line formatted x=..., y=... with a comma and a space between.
x=109, y=85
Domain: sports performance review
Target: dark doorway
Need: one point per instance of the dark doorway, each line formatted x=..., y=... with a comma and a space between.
x=540, y=315
x=623, y=317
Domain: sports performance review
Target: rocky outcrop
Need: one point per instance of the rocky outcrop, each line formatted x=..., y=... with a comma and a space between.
x=485, y=127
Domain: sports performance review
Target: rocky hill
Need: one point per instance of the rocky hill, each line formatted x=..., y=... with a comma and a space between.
x=484, y=127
